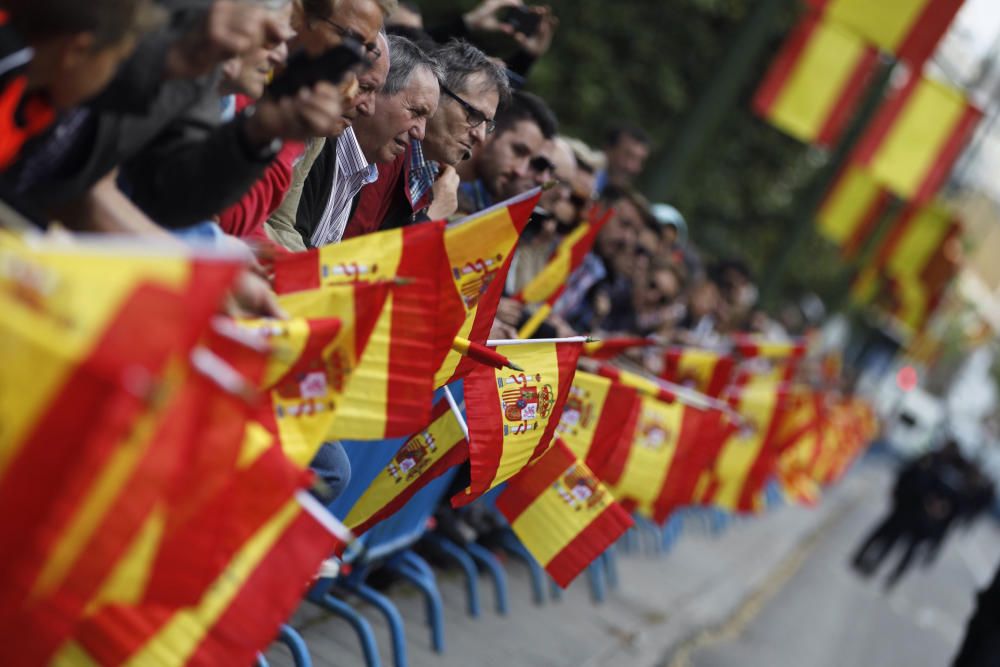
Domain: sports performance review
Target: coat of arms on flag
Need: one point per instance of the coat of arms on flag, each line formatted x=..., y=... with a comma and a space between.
x=513, y=415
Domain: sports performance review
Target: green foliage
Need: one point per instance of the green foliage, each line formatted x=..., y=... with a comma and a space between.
x=648, y=63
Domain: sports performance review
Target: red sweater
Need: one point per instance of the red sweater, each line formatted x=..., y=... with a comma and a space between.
x=246, y=217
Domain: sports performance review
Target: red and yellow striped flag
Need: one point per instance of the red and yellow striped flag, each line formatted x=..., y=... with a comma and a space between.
x=816, y=81
x=642, y=384
x=599, y=414
x=852, y=209
x=801, y=439
x=513, y=415
x=313, y=361
x=239, y=613
x=706, y=371
x=609, y=348
x=744, y=462
x=913, y=265
x=422, y=459
x=566, y=259
x=660, y=429
x=562, y=514
x=391, y=391
x=917, y=136
x=480, y=249
x=89, y=381
x=911, y=29
x=753, y=346
x=699, y=443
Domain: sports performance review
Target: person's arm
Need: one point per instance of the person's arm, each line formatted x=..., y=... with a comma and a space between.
x=105, y=209
x=198, y=36
x=246, y=217
x=196, y=169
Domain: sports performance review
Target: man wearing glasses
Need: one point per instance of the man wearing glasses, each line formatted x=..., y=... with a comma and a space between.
x=499, y=170
x=422, y=184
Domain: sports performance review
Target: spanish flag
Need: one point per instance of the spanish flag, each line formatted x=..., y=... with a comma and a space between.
x=800, y=439
x=852, y=209
x=513, y=415
x=917, y=136
x=109, y=498
x=644, y=385
x=195, y=541
x=391, y=391
x=610, y=348
x=816, y=81
x=658, y=432
x=910, y=29
x=746, y=458
x=912, y=266
x=754, y=346
x=599, y=414
x=313, y=361
x=480, y=249
x=703, y=434
x=564, y=261
x=422, y=458
x=173, y=559
x=706, y=371
x=163, y=516
x=562, y=514
x=239, y=613
x=94, y=382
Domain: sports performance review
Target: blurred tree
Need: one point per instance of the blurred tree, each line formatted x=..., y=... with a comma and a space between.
x=647, y=63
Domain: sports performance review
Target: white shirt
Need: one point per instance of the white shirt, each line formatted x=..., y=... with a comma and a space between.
x=350, y=175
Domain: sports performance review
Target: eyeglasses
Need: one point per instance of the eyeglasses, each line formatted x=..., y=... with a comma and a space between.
x=347, y=33
x=473, y=116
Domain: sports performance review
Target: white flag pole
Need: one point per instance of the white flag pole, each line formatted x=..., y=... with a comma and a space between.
x=532, y=341
x=456, y=411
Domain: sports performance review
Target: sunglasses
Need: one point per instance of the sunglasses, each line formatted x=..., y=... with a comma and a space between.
x=541, y=164
x=473, y=116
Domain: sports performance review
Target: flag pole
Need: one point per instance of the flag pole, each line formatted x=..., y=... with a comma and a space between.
x=532, y=341
x=455, y=410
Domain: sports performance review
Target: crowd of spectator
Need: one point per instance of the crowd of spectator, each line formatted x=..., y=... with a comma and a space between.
x=272, y=126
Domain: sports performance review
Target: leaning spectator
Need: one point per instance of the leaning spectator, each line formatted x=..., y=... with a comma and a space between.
x=423, y=183
x=56, y=54
x=408, y=98
x=179, y=145
x=498, y=170
x=281, y=224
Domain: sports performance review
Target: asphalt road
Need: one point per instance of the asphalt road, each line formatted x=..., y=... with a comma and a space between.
x=817, y=613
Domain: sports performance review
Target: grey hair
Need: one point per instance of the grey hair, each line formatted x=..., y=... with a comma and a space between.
x=405, y=58
x=461, y=60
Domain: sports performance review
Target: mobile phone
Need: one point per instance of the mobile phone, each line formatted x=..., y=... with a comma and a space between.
x=304, y=70
x=522, y=20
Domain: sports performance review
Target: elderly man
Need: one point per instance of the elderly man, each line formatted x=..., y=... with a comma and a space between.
x=422, y=184
x=281, y=225
x=498, y=171
x=342, y=169
x=408, y=99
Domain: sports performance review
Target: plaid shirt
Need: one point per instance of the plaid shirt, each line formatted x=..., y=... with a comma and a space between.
x=420, y=178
